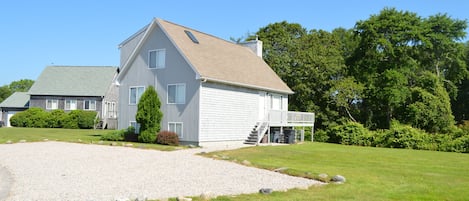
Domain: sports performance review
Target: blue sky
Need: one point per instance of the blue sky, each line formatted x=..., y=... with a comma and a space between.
x=36, y=34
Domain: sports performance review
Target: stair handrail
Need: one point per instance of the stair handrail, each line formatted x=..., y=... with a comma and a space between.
x=261, y=129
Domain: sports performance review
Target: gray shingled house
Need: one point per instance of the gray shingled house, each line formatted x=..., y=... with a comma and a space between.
x=17, y=102
x=211, y=89
x=78, y=88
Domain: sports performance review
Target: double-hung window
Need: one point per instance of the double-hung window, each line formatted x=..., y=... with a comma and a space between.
x=156, y=58
x=134, y=94
x=176, y=93
x=70, y=104
x=52, y=104
x=176, y=127
x=89, y=105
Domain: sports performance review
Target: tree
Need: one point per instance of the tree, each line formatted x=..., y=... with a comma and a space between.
x=5, y=92
x=22, y=85
x=149, y=115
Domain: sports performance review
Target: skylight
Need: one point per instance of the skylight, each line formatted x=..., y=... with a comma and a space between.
x=191, y=36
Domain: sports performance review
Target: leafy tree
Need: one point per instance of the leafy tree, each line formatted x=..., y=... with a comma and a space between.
x=5, y=92
x=22, y=85
x=149, y=115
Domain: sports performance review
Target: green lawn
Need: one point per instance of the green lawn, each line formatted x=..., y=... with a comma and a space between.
x=68, y=135
x=372, y=173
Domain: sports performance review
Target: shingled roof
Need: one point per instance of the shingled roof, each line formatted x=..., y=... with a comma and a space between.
x=74, y=81
x=16, y=100
x=216, y=60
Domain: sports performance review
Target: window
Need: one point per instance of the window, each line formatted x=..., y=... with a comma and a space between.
x=70, y=104
x=176, y=93
x=276, y=102
x=89, y=105
x=136, y=126
x=176, y=127
x=111, y=110
x=52, y=104
x=156, y=58
x=134, y=94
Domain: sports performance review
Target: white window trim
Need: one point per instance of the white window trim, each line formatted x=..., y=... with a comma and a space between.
x=164, y=62
x=89, y=100
x=167, y=94
x=70, y=109
x=52, y=108
x=136, y=98
x=182, y=128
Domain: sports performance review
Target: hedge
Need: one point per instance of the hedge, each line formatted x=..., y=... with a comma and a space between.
x=40, y=118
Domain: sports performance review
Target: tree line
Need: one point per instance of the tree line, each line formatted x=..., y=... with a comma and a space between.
x=393, y=66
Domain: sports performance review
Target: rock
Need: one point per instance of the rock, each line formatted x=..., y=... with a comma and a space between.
x=206, y=196
x=182, y=198
x=281, y=169
x=22, y=141
x=265, y=190
x=121, y=199
x=191, y=146
x=246, y=162
x=101, y=142
x=338, y=179
x=225, y=157
x=113, y=144
x=129, y=145
x=9, y=142
x=45, y=140
x=79, y=140
x=141, y=198
x=323, y=177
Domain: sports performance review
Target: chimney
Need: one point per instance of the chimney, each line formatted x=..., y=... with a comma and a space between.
x=254, y=45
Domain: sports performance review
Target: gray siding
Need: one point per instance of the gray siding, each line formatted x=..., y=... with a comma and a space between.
x=176, y=71
x=40, y=101
x=227, y=112
x=127, y=48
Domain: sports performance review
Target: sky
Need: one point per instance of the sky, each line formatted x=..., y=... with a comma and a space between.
x=36, y=34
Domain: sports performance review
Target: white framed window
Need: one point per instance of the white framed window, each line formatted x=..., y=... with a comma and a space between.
x=276, y=102
x=134, y=94
x=176, y=127
x=52, y=104
x=176, y=93
x=156, y=58
x=136, y=126
x=110, y=109
x=70, y=104
x=89, y=105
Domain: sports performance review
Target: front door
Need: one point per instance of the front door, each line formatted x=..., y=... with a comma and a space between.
x=262, y=106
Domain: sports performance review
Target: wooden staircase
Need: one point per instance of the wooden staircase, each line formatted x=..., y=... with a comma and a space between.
x=257, y=133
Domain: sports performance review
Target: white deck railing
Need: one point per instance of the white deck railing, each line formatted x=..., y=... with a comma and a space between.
x=290, y=118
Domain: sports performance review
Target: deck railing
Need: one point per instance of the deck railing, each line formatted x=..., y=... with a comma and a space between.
x=290, y=118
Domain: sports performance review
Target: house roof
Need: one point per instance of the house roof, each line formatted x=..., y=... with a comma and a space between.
x=74, y=81
x=215, y=59
x=16, y=100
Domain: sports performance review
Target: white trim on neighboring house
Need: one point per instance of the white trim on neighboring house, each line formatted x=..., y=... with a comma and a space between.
x=51, y=107
x=89, y=104
x=181, y=134
x=177, y=101
x=70, y=105
x=158, y=64
x=204, y=79
x=137, y=98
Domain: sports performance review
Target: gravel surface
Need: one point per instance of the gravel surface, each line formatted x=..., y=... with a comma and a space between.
x=67, y=171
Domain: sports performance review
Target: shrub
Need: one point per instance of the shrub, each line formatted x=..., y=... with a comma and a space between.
x=167, y=138
x=350, y=133
x=147, y=136
x=33, y=117
x=319, y=136
x=117, y=135
x=79, y=119
x=54, y=119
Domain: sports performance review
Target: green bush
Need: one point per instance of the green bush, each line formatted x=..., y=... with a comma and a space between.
x=54, y=119
x=147, y=136
x=350, y=133
x=167, y=138
x=319, y=136
x=33, y=117
x=118, y=135
x=79, y=119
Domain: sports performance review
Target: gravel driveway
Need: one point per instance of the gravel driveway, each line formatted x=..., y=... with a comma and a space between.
x=67, y=171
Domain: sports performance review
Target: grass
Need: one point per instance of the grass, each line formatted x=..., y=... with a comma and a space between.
x=372, y=173
x=67, y=135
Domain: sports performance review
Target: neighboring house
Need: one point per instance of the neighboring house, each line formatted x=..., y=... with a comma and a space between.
x=17, y=102
x=210, y=89
x=78, y=88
